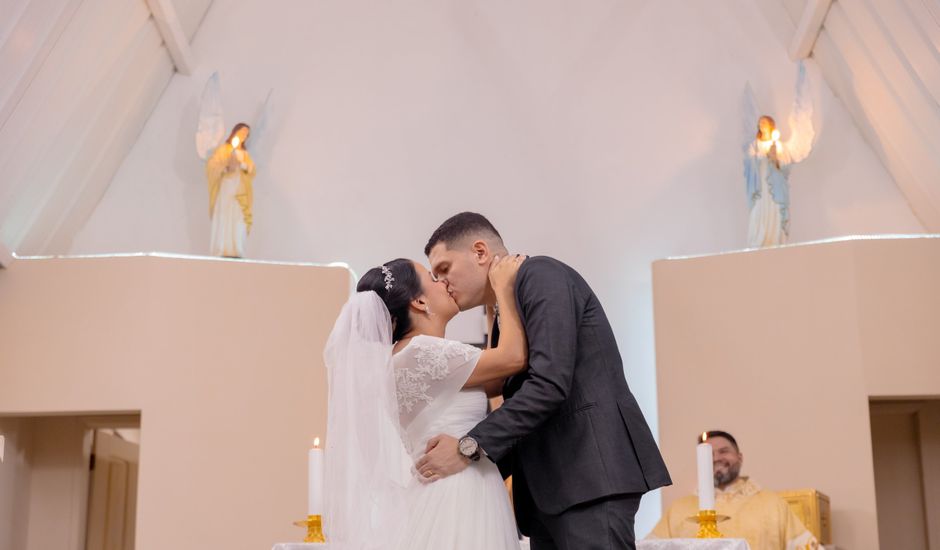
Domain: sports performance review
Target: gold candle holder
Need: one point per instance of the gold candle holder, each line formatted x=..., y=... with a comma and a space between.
x=707, y=525
x=314, y=525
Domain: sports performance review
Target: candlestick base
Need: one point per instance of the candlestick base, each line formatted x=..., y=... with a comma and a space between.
x=708, y=524
x=314, y=525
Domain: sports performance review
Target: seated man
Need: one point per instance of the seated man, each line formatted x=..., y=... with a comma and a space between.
x=760, y=517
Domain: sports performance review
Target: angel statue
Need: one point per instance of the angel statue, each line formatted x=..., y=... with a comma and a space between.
x=767, y=163
x=230, y=172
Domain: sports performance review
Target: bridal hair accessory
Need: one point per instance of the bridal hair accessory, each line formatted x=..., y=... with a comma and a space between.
x=388, y=277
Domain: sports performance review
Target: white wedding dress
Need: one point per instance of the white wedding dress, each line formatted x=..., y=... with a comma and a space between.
x=469, y=510
x=382, y=410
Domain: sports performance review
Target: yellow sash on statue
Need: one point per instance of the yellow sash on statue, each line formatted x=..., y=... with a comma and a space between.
x=215, y=171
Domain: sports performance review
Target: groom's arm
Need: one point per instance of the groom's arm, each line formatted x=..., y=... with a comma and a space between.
x=551, y=312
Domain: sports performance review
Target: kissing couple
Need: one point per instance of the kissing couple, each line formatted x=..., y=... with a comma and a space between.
x=415, y=460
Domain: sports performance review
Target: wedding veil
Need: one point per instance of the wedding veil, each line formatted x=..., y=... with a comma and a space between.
x=366, y=465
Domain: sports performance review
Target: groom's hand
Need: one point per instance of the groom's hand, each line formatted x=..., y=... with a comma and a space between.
x=441, y=459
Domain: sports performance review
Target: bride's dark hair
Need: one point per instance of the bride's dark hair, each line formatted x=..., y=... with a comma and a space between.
x=405, y=287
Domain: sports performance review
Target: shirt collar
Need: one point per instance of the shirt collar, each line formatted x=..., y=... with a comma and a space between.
x=741, y=487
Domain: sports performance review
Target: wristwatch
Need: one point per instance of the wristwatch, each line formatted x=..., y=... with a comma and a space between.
x=469, y=448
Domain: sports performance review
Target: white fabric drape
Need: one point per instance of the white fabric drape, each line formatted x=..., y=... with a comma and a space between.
x=367, y=469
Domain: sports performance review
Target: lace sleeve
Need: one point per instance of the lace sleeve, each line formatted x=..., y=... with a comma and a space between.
x=431, y=368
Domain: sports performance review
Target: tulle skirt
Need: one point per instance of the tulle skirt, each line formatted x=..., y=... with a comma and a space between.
x=466, y=511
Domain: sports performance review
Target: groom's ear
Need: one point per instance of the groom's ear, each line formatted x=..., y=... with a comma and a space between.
x=481, y=251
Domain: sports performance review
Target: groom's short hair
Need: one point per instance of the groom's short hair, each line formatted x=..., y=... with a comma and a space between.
x=461, y=226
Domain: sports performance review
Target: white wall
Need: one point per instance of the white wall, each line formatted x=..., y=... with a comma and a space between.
x=605, y=133
x=78, y=81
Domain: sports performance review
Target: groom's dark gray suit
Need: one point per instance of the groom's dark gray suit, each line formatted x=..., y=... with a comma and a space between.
x=570, y=431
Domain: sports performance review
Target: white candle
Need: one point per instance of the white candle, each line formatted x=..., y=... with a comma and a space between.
x=315, y=480
x=706, y=476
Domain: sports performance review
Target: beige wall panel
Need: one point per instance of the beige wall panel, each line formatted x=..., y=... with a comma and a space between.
x=221, y=358
x=783, y=348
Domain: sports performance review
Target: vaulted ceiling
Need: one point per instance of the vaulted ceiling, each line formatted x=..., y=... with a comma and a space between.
x=882, y=59
x=78, y=80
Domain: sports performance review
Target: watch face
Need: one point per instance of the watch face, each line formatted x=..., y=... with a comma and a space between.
x=468, y=446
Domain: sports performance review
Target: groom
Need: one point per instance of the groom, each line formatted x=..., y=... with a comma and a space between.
x=569, y=432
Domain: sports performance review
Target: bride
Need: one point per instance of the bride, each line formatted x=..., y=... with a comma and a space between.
x=395, y=382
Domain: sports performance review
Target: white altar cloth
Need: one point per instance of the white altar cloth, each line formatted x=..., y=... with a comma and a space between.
x=657, y=544
x=693, y=544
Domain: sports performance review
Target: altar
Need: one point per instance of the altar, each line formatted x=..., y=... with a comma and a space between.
x=660, y=544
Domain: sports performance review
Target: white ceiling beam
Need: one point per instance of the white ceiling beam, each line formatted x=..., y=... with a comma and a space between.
x=43, y=23
x=168, y=23
x=811, y=22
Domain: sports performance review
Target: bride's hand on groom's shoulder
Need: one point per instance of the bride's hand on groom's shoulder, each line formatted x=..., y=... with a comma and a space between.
x=503, y=271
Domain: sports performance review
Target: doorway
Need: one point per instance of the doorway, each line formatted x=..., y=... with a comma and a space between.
x=906, y=453
x=69, y=481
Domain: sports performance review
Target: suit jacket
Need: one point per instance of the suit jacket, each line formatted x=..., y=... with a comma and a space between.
x=570, y=431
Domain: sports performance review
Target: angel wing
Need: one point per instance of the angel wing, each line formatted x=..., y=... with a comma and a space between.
x=750, y=114
x=260, y=143
x=802, y=133
x=211, y=129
